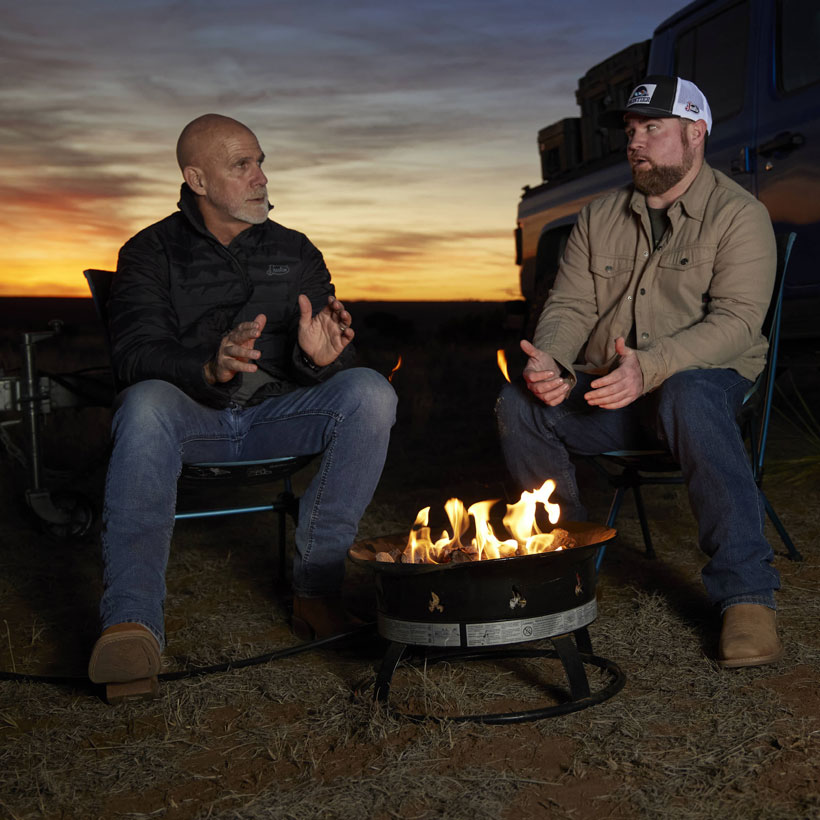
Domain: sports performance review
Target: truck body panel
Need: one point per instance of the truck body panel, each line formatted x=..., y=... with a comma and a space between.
x=757, y=62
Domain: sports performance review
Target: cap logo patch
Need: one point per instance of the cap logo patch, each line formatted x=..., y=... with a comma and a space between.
x=690, y=106
x=642, y=95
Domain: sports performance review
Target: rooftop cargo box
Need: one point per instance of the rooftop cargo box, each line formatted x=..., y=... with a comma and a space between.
x=559, y=145
x=604, y=86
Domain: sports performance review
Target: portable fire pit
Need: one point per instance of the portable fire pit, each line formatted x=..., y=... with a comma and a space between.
x=473, y=607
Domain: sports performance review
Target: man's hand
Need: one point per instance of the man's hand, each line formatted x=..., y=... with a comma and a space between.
x=236, y=351
x=542, y=376
x=620, y=387
x=324, y=336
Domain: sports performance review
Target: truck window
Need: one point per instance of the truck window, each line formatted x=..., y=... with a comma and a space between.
x=798, y=44
x=713, y=56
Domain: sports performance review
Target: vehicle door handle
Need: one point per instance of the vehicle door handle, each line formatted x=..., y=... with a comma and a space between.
x=783, y=143
x=742, y=163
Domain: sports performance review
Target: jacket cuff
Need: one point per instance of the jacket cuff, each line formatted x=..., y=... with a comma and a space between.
x=308, y=372
x=652, y=368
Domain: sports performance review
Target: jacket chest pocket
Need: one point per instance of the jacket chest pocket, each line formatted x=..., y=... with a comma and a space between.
x=685, y=273
x=611, y=276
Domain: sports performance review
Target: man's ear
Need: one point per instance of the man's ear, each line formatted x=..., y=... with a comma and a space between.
x=195, y=179
x=697, y=132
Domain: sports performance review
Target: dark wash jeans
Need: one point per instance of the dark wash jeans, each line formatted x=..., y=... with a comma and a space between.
x=693, y=414
x=157, y=428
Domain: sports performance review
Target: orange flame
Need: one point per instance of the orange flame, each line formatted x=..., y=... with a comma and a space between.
x=395, y=368
x=526, y=536
x=501, y=357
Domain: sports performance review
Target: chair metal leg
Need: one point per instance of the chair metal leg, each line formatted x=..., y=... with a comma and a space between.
x=629, y=479
x=281, y=545
x=615, y=506
x=794, y=553
x=614, y=509
x=286, y=504
x=647, y=538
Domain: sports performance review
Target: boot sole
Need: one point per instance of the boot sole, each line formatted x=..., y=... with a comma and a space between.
x=143, y=689
x=125, y=657
x=760, y=660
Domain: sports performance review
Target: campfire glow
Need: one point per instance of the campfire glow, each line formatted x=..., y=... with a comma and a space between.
x=501, y=357
x=395, y=368
x=524, y=535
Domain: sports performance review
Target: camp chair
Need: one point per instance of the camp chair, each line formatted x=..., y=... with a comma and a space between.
x=223, y=473
x=639, y=467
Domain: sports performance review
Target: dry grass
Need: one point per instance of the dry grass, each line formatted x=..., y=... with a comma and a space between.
x=299, y=738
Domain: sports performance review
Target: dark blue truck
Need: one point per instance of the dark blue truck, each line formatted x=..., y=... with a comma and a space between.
x=758, y=62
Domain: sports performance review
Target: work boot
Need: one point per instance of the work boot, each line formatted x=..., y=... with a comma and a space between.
x=127, y=659
x=316, y=618
x=749, y=636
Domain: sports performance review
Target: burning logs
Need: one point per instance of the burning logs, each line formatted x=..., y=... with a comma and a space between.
x=524, y=536
x=560, y=540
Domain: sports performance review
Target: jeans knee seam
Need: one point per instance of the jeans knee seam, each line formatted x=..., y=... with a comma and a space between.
x=314, y=513
x=338, y=417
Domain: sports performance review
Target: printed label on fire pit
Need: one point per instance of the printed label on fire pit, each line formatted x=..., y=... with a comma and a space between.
x=419, y=633
x=531, y=629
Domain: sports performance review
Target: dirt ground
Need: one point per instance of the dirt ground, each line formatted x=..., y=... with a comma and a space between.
x=301, y=736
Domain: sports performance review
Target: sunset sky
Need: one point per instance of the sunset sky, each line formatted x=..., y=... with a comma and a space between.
x=398, y=134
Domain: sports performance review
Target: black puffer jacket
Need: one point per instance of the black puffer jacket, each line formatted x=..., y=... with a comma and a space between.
x=177, y=291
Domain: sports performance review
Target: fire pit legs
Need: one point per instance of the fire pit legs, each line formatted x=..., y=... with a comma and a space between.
x=387, y=669
x=572, y=654
x=573, y=665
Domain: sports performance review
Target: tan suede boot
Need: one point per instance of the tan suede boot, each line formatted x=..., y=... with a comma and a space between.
x=315, y=618
x=127, y=659
x=749, y=636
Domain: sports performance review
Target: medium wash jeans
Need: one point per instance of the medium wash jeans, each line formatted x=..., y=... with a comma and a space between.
x=157, y=428
x=693, y=415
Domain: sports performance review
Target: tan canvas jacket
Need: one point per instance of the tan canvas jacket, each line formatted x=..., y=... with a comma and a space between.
x=697, y=301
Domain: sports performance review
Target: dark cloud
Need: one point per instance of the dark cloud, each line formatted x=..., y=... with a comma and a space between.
x=352, y=101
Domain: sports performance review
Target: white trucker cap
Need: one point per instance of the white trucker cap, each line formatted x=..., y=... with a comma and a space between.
x=660, y=96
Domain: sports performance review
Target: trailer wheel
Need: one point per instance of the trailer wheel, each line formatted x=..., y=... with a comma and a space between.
x=547, y=259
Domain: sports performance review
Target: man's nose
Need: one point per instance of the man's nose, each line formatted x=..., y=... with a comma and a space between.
x=260, y=178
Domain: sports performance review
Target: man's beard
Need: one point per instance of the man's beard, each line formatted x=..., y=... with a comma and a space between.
x=658, y=179
x=252, y=212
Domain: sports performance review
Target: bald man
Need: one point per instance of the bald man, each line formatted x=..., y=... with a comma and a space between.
x=229, y=344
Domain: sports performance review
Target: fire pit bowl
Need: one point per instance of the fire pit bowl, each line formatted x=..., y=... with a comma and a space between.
x=483, y=603
x=473, y=605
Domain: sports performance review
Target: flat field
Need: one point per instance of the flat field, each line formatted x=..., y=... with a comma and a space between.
x=300, y=736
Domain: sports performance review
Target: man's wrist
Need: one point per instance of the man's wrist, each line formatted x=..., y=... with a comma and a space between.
x=308, y=362
x=208, y=372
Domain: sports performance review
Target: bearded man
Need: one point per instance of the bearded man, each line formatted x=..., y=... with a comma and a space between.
x=650, y=338
x=230, y=345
